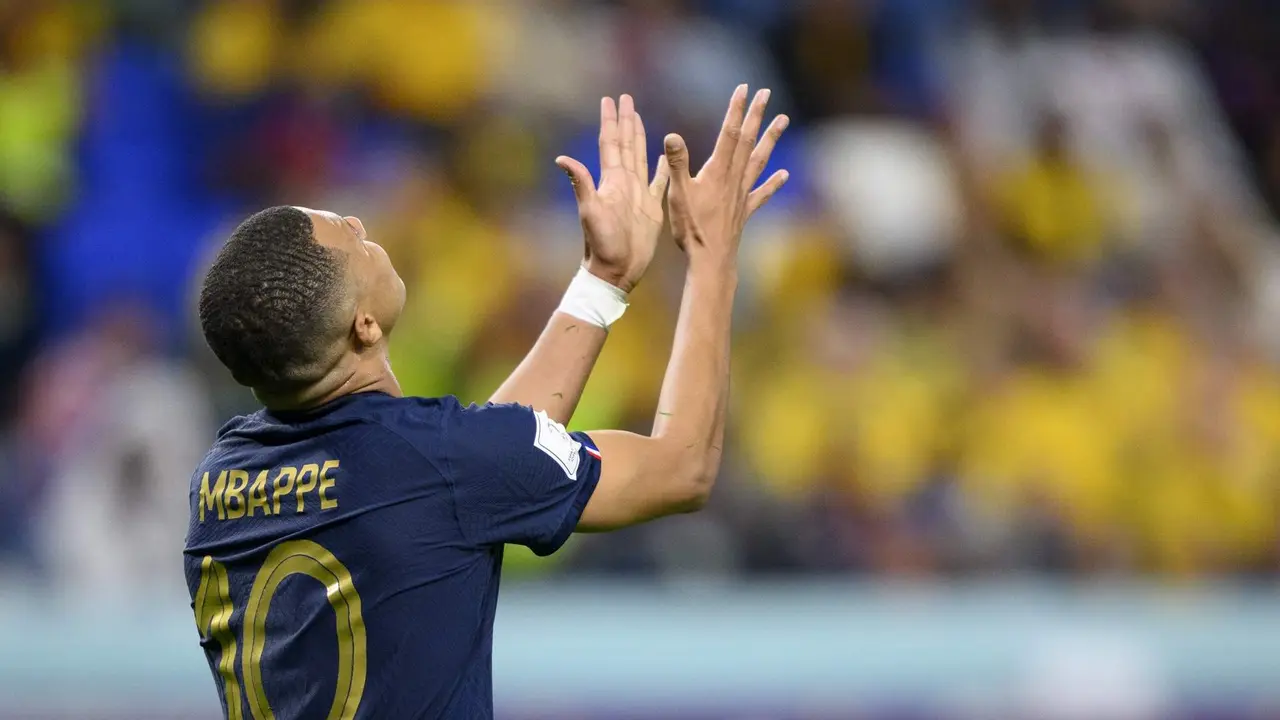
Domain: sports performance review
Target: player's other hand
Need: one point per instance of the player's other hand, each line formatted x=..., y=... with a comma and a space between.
x=708, y=211
x=622, y=218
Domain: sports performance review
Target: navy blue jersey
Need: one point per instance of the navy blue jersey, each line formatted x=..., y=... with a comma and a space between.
x=343, y=562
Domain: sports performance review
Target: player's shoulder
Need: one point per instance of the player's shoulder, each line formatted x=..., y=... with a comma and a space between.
x=502, y=434
x=506, y=420
x=471, y=438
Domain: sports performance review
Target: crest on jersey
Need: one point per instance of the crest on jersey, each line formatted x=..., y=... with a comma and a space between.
x=551, y=438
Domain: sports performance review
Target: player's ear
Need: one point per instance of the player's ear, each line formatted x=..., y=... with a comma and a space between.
x=367, y=330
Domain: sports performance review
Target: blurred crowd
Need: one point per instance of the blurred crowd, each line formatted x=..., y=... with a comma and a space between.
x=1013, y=313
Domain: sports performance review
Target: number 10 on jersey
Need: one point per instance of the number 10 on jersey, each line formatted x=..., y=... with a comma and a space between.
x=214, y=608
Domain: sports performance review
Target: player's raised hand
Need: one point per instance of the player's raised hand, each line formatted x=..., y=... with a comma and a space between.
x=622, y=219
x=708, y=211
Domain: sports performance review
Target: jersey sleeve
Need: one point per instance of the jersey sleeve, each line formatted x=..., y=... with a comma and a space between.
x=518, y=476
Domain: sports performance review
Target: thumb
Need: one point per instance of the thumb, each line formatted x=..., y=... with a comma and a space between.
x=661, y=177
x=677, y=156
x=579, y=177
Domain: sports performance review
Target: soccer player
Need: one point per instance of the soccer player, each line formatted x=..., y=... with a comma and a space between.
x=345, y=542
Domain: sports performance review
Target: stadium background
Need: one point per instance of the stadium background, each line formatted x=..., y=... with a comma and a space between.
x=1005, y=436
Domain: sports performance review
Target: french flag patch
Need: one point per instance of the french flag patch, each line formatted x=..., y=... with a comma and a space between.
x=590, y=447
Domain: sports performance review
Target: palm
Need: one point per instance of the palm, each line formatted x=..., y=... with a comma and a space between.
x=622, y=219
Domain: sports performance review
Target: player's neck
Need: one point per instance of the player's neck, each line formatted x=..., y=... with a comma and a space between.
x=371, y=373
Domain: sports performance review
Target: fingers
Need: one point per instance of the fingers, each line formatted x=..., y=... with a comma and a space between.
x=750, y=132
x=759, y=158
x=627, y=132
x=610, y=153
x=641, y=149
x=730, y=131
x=579, y=177
x=661, y=177
x=677, y=157
x=761, y=195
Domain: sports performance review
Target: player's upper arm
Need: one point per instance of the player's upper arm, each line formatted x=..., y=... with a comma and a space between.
x=517, y=476
x=643, y=478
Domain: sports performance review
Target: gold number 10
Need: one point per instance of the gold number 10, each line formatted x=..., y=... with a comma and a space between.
x=213, y=618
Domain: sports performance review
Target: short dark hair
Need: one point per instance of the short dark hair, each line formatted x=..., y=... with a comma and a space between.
x=268, y=304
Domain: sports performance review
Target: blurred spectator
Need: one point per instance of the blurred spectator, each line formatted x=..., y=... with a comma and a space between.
x=133, y=425
x=891, y=188
x=1051, y=206
x=841, y=57
x=40, y=44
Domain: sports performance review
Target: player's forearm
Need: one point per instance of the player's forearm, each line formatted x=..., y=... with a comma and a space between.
x=673, y=469
x=692, y=405
x=722, y=414
x=551, y=377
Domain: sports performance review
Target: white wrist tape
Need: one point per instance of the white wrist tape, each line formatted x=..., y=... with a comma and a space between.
x=593, y=300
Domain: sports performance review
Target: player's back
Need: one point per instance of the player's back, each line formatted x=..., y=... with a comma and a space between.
x=343, y=562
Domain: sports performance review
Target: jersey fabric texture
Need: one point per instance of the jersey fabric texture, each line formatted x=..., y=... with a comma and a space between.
x=343, y=562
